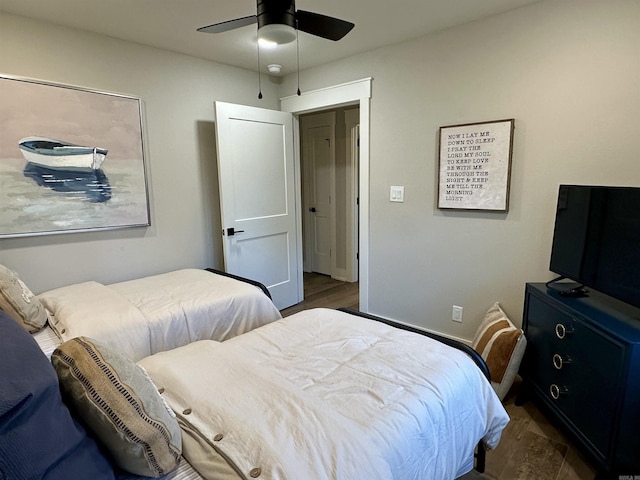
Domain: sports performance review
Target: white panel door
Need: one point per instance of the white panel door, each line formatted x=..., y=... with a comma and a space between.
x=318, y=160
x=258, y=198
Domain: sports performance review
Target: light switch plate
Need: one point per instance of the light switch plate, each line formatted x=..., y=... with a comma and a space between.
x=396, y=193
x=456, y=314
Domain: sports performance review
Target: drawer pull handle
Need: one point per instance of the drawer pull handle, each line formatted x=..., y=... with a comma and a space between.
x=562, y=331
x=560, y=361
x=556, y=391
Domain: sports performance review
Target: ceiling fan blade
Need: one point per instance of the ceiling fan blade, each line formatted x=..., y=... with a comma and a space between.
x=322, y=25
x=229, y=25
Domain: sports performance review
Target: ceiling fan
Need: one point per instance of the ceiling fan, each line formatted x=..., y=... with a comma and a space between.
x=278, y=21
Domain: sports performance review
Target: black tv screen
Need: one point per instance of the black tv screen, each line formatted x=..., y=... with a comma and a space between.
x=596, y=240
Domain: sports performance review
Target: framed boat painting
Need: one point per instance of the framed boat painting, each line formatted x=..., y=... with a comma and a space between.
x=71, y=159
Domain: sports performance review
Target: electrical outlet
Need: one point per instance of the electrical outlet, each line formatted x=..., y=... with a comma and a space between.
x=456, y=314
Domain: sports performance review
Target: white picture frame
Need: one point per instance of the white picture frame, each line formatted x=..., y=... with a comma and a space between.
x=55, y=187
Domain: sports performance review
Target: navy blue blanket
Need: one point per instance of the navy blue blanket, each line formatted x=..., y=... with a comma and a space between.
x=39, y=439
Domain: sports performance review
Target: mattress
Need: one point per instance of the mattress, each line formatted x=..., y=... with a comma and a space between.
x=152, y=314
x=184, y=472
x=47, y=340
x=324, y=394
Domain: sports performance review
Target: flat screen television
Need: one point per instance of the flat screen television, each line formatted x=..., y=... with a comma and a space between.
x=596, y=239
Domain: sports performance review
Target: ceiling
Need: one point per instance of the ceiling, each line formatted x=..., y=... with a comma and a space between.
x=172, y=24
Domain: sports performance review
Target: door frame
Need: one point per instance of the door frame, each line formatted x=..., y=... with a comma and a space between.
x=353, y=193
x=353, y=93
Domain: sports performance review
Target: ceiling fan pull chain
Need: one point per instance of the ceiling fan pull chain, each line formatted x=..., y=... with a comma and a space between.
x=259, y=74
x=298, y=58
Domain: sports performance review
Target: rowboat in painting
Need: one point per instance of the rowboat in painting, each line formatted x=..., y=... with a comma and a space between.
x=60, y=155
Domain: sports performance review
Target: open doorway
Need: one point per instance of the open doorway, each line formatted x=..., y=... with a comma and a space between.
x=329, y=158
x=355, y=93
x=329, y=189
x=289, y=236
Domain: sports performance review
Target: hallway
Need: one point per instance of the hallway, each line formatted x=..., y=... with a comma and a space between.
x=324, y=291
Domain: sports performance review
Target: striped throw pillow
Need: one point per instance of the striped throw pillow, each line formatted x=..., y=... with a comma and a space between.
x=502, y=346
x=119, y=403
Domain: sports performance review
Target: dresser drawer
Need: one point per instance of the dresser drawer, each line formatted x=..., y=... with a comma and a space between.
x=585, y=400
x=567, y=342
x=575, y=368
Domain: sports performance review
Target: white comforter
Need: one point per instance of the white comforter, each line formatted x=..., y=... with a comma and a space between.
x=148, y=315
x=327, y=395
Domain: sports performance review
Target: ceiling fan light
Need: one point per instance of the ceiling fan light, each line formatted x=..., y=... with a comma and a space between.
x=277, y=33
x=266, y=44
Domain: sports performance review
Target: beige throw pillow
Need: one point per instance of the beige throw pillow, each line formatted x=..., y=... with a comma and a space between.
x=119, y=403
x=19, y=302
x=502, y=346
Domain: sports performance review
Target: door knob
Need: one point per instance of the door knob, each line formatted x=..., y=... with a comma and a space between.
x=313, y=210
x=232, y=231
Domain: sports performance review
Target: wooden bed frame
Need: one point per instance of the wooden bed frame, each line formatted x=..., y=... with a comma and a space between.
x=480, y=454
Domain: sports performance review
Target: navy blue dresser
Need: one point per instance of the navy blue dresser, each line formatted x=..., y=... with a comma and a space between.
x=582, y=367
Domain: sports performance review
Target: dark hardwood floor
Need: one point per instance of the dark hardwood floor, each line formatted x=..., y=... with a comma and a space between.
x=531, y=448
x=324, y=291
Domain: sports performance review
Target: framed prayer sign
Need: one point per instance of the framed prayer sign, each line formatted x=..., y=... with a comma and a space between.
x=475, y=166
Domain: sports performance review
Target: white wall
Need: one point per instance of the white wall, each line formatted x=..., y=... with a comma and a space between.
x=178, y=94
x=568, y=72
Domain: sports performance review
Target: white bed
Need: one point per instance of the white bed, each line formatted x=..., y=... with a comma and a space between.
x=160, y=312
x=328, y=395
